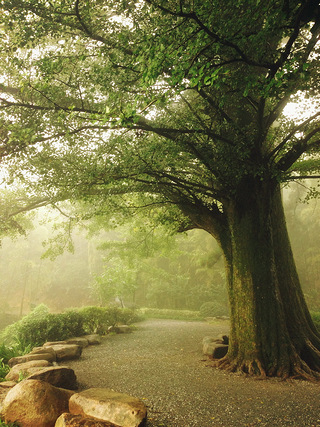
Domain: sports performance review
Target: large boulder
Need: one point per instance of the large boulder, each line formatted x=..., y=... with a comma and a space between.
x=59, y=376
x=33, y=403
x=70, y=420
x=5, y=386
x=49, y=356
x=108, y=405
x=25, y=369
x=65, y=351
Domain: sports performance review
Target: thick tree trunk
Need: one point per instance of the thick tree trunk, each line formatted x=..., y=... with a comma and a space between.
x=271, y=330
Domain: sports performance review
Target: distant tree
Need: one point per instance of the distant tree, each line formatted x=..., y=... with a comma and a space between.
x=178, y=104
x=303, y=218
x=28, y=277
x=145, y=265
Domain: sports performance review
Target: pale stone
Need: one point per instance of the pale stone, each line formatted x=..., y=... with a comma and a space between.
x=25, y=369
x=59, y=376
x=216, y=350
x=207, y=340
x=33, y=403
x=108, y=405
x=93, y=339
x=70, y=420
x=208, y=348
x=66, y=351
x=82, y=341
x=41, y=350
x=7, y=384
x=28, y=357
x=51, y=343
x=121, y=329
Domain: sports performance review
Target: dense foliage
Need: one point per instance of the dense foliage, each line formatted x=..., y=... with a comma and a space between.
x=201, y=107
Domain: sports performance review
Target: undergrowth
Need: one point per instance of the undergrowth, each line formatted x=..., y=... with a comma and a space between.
x=316, y=319
x=3, y=424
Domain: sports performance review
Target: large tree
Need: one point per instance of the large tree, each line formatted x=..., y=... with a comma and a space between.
x=179, y=105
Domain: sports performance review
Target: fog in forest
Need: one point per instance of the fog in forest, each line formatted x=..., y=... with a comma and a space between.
x=138, y=266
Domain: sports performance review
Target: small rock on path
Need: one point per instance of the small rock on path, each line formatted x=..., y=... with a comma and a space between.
x=162, y=364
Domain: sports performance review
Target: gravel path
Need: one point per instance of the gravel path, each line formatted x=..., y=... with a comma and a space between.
x=161, y=363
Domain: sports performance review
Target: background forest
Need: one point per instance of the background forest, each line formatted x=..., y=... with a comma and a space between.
x=137, y=265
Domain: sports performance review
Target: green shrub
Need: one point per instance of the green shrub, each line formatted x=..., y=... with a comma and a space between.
x=213, y=309
x=98, y=319
x=40, y=326
x=34, y=329
x=6, y=352
x=316, y=318
x=95, y=319
x=74, y=324
x=4, y=369
x=122, y=316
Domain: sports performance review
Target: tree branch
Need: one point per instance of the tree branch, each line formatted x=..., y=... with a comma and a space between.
x=298, y=177
x=56, y=107
x=214, y=36
x=301, y=147
x=291, y=134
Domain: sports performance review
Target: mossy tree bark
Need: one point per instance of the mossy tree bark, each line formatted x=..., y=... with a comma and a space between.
x=271, y=333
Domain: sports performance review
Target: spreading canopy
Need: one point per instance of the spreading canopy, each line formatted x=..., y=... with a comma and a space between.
x=176, y=100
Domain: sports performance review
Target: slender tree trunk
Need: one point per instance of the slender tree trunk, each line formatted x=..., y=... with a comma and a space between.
x=271, y=329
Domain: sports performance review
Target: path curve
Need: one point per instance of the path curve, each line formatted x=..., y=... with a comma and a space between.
x=161, y=362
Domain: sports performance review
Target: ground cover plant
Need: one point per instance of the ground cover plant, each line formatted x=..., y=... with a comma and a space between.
x=6, y=353
x=3, y=424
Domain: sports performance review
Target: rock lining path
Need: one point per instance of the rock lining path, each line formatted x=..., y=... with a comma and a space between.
x=161, y=362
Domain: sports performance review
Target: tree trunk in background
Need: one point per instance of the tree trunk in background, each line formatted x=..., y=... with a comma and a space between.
x=271, y=329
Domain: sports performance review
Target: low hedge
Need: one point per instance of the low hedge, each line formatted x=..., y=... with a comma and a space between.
x=40, y=325
x=213, y=309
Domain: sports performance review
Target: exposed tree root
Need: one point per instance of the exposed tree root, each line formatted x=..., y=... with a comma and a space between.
x=296, y=368
x=252, y=367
